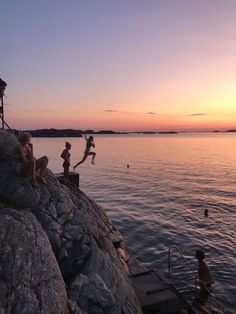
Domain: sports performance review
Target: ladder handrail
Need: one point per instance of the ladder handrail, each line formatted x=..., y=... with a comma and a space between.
x=185, y=260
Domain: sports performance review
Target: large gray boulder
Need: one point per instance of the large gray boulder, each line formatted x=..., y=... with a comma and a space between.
x=30, y=279
x=80, y=234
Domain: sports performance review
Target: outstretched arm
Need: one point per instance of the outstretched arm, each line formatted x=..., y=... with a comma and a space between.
x=31, y=153
x=85, y=137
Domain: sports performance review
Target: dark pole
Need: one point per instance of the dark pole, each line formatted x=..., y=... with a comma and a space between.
x=3, y=85
x=169, y=266
x=2, y=112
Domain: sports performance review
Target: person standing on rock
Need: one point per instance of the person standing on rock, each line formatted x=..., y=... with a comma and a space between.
x=26, y=164
x=66, y=164
x=89, y=143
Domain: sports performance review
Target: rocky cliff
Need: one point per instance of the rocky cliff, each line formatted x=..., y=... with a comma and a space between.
x=56, y=249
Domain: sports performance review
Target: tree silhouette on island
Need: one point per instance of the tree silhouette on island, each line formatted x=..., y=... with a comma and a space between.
x=52, y=132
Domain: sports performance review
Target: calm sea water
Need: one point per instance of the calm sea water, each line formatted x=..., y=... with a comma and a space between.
x=159, y=201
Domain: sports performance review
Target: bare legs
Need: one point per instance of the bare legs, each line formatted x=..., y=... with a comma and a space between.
x=66, y=174
x=93, y=154
x=29, y=170
x=81, y=161
x=35, y=168
x=40, y=167
x=200, y=307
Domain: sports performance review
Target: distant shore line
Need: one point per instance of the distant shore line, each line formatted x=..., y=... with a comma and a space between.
x=79, y=133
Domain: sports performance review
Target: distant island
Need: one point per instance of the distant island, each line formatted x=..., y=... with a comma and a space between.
x=151, y=132
x=168, y=132
x=143, y=132
x=79, y=133
x=227, y=131
x=55, y=133
x=67, y=132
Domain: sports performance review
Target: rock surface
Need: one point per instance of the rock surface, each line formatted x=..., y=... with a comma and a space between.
x=80, y=234
x=30, y=279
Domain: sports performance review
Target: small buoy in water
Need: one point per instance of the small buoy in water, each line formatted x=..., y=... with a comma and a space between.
x=127, y=166
x=206, y=212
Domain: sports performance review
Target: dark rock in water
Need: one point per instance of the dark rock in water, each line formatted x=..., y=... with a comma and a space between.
x=81, y=237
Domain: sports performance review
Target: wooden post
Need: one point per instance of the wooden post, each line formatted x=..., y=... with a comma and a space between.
x=2, y=112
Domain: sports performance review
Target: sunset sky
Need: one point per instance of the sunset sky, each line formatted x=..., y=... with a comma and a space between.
x=123, y=65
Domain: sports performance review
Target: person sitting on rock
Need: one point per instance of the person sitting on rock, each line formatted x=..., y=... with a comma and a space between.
x=66, y=164
x=26, y=164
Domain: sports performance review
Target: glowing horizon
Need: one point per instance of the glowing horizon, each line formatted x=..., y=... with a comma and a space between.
x=152, y=66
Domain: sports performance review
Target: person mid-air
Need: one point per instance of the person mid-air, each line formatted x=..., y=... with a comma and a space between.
x=89, y=143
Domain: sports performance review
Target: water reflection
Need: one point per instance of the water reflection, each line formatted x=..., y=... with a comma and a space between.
x=159, y=201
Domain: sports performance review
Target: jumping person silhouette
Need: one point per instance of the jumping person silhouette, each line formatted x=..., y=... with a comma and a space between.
x=89, y=143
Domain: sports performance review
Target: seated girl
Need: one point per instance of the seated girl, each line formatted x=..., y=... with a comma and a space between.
x=26, y=164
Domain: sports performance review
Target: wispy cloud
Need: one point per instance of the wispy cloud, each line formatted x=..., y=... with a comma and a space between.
x=17, y=110
x=197, y=114
x=129, y=112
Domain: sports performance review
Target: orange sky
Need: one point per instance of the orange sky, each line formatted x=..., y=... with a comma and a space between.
x=154, y=66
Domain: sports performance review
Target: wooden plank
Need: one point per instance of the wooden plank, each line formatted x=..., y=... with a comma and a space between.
x=136, y=268
x=153, y=293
